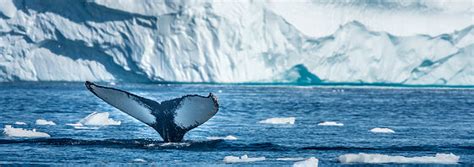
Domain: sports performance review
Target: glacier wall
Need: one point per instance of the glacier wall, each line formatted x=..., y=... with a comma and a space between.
x=225, y=42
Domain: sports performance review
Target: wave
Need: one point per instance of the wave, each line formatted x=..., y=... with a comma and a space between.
x=219, y=144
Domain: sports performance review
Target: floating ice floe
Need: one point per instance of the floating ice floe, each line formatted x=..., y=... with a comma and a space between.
x=20, y=123
x=20, y=132
x=380, y=158
x=44, y=122
x=95, y=119
x=310, y=162
x=139, y=160
x=229, y=137
x=287, y=120
x=243, y=158
x=382, y=130
x=290, y=159
x=330, y=123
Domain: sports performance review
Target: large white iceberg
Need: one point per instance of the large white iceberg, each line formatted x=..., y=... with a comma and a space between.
x=20, y=132
x=241, y=41
x=380, y=158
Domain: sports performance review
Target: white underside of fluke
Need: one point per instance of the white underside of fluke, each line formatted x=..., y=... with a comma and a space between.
x=126, y=103
x=194, y=111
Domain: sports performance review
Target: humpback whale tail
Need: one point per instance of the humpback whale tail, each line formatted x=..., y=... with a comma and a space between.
x=170, y=118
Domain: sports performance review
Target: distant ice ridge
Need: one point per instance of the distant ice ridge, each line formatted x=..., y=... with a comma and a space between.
x=283, y=120
x=229, y=137
x=226, y=42
x=310, y=162
x=243, y=158
x=20, y=132
x=330, y=123
x=382, y=130
x=380, y=158
x=95, y=119
x=44, y=122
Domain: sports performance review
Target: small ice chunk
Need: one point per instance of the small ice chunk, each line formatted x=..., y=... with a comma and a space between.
x=282, y=120
x=290, y=159
x=96, y=119
x=243, y=158
x=310, y=162
x=229, y=137
x=44, y=122
x=19, y=132
x=330, y=123
x=20, y=123
x=380, y=158
x=99, y=119
x=139, y=160
x=382, y=130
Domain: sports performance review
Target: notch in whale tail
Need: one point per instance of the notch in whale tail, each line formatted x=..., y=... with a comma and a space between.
x=170, y=118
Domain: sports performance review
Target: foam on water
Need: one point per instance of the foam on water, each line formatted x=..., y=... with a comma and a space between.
x=20, y=132
x=380, y=158
x=280, y=120
x=330, y=123
x=44, y=122
x=229, y=137
x=177, y=145
x=243, y=158
x=382, y=130
x=310, y=162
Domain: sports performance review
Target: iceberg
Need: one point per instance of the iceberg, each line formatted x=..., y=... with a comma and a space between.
x=44, y=122
x=283, y=120
x=20, y=132
x=310, y=162
x=216, y=42
x=382, y=130
x=380, y=158
x=243, y=158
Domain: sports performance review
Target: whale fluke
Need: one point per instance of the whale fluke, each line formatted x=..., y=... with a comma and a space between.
x=170, y=118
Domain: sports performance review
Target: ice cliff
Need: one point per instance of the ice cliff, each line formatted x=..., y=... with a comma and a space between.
x=221, y=42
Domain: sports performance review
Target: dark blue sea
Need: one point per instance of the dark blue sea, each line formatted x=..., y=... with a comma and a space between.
x=426, y=121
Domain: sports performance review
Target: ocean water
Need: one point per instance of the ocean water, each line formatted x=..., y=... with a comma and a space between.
x=426, y=121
